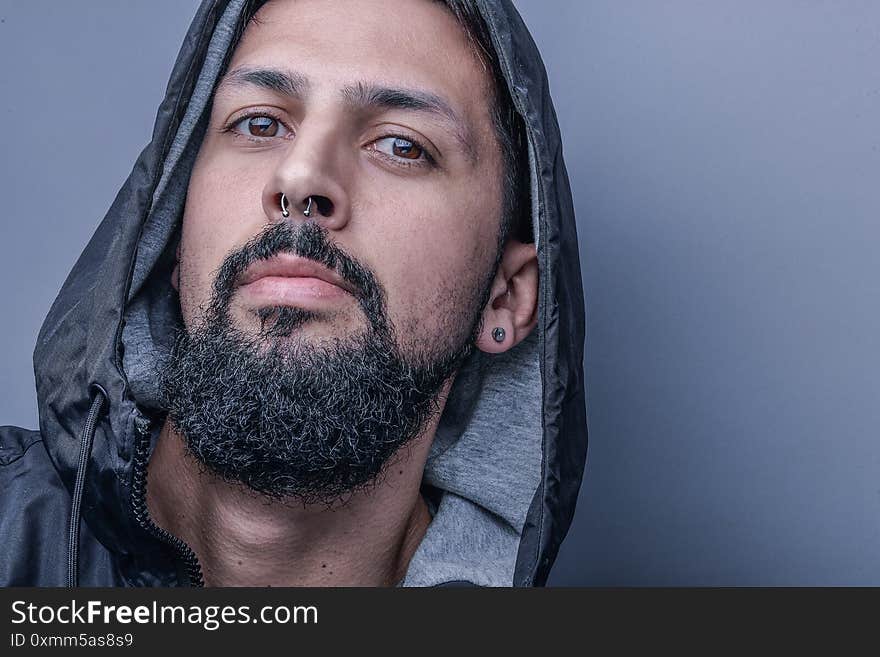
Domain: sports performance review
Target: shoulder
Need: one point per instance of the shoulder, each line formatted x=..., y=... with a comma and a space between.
x=15, y=443
x=25, y=466
x=33, y=501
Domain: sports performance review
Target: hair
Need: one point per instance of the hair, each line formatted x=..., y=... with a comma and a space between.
x=509, y=128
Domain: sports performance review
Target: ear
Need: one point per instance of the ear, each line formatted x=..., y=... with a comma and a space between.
x=513, y=300
x=175, y=273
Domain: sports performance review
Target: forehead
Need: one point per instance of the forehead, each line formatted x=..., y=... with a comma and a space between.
x=410, y=43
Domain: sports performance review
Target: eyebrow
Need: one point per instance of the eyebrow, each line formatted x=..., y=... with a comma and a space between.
x=287, y=83
x=359, y=96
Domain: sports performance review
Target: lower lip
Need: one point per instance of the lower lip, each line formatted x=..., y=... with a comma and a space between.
x=292, y=291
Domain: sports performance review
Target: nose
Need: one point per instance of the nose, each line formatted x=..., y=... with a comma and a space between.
x=306, y=183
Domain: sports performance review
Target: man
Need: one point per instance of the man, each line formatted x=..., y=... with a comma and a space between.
x=331, y=330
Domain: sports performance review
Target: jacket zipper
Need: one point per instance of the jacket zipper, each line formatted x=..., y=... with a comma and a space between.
x=139, y=505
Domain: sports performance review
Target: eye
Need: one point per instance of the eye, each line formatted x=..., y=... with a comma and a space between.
x=400, y=147
x=260, y=125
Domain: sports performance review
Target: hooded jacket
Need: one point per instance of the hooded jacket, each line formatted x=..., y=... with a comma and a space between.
x=508, y=456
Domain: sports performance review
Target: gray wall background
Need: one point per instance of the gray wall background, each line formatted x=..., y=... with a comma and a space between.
x=725, y=163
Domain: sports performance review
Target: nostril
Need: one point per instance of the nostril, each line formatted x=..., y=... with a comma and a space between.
x=325, y=205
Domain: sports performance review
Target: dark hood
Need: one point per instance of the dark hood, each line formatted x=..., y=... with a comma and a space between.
x=509, y=453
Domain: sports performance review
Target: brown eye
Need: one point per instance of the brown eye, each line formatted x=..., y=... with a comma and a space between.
x=405, y=149
x=260, y=125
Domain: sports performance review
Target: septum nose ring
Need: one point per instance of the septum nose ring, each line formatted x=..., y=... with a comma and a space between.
x=285, y=207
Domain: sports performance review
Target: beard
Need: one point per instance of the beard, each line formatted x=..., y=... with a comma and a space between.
x=289, y=417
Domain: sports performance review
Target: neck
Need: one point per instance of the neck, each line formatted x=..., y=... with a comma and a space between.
x=245, y=539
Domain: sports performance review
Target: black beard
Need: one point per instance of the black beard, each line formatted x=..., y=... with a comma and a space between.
x=289, y=419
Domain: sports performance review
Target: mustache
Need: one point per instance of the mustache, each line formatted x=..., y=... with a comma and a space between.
x=310, y=241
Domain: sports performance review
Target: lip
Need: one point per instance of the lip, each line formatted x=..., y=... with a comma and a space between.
x=293, y=267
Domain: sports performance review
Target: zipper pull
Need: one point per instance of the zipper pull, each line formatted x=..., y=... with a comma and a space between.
x=142, y=427
x=142, y=423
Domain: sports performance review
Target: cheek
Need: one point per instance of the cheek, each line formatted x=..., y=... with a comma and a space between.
x=222, y=211
x=431, y=251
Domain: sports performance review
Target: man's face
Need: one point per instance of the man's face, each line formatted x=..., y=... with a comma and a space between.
x=378, y=111
x=380, y=107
